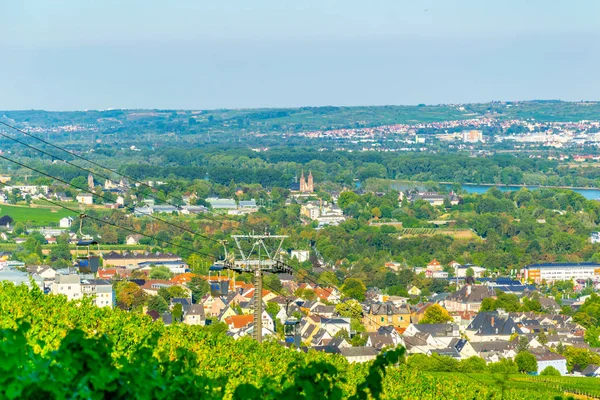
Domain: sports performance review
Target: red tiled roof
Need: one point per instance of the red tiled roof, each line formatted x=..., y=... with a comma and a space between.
x=239, y=321
x=182, y=278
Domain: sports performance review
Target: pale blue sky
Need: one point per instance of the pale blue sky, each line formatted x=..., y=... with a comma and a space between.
x=84, y=54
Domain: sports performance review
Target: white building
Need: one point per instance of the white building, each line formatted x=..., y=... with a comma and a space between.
x=66, y=222
x=68, y=285
x=550, y=272
x=301, y=255
x=549, y=359
x=595, y=237
x=85, y=198
x=101, y=290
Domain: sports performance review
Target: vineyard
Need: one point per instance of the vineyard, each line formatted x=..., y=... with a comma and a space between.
x=455, y=233
x=54, y=349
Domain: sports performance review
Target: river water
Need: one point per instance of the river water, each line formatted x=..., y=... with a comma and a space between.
x=590, y=194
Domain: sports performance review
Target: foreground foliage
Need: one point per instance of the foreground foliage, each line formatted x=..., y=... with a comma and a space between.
x=54, y=349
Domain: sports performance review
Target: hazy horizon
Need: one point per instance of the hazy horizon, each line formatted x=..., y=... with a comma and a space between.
x=68, y=55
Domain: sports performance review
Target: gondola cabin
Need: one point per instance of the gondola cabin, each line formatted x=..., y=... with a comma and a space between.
x=86, y=261
x=291, y=331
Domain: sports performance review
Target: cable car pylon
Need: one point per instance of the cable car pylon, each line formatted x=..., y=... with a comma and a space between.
x=256, y=253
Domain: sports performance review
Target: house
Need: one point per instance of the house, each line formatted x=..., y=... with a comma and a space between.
x=132, y=240
x=441, y=334
x=492, y=325
x=591, y=370
x=101, y=290
x=468, y=298
x=195, y=315
x=301, y=255
x=237, y=322
x=44, y=271
x=414, y=291
x=334, y=325
x=386, y=314
x=359, y=354
x=85, y=198
x=68, y=285
x=546, y=359
x=186, y=303
x=65, y=222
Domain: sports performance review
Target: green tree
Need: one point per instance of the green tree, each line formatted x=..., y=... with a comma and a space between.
x=526, y=362
x=272, y=309
x=470, y=272
x=160, y=272
x=158, y=303
x=550, y=371
x=354, y=288
x=177, y=312
x=436, y=314
x=349, y=309
x=61, y=250
x=199, y=288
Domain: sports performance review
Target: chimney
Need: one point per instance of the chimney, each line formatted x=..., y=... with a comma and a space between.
x=468, y=290
x=492, y=322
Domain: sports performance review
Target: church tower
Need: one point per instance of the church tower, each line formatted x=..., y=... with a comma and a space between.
x=302, y=183
x=91, y=181
x=310, y=185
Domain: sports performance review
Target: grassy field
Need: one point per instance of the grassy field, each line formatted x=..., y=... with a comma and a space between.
x=38, y=215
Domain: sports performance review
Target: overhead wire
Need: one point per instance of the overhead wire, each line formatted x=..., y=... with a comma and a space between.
x=129, y=178
x=105, y=198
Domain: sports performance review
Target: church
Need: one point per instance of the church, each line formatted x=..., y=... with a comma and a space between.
x=306, y=185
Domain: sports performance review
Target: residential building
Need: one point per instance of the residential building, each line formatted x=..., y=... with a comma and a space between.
x=101, y=290
x=546, y=359
x=66, y=222
x=85, y=198
x=132, y=240
x=386, y=314
x=595, y=237
x=195, y=315
x=492, y=325
x=68, y=285
x=301, y=255
x=468, y=298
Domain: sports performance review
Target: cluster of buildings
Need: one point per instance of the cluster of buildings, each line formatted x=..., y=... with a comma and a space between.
x=323, y=212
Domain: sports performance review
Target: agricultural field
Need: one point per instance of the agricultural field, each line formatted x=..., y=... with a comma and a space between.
x=37, y=215
x=466, y=234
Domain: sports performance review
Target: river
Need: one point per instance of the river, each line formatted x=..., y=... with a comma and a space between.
x=590, y=194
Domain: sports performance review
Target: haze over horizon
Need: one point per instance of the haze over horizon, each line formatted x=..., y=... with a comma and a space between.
x=72, y=56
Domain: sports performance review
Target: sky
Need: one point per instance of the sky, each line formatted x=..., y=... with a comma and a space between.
x=201, y=54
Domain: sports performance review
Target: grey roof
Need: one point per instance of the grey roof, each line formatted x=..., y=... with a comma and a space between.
x=492, y=323
x=591, y=370
x=167, y=318
x=438, y=330
x=380, y=341
x=185, y=303
x=476, y=295
x=448, y=352
x=336, y=341
x=358, y=351
x=492, y=346
x=196, y=309
x=388, y=309
x=458, y=344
